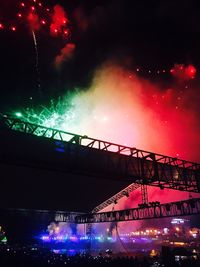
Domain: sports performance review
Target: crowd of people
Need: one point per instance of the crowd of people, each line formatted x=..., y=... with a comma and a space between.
x=41, y=257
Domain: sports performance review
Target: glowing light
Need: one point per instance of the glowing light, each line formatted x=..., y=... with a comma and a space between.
x=153, y=253
x=45, y=238
x=32, y=8
x=182, y=72
x=73, y=238
x=165, y=230
x=43, y=22
x=177, y=221
x=191, y=71
x=19, y=15
x=18, y=114
x=179, y=243
x=13, y=28
x=4, y=240
x=1, y=26
x=22, y=4
x=57, y=230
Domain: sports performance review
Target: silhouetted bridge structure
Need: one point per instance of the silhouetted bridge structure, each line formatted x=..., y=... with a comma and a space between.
x=93, y=157
x=57, y=170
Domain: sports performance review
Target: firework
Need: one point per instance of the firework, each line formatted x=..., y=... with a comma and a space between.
x=37, y=16
x=128, y=111
x=183, y=72
x=60, y=114
x=59, y=22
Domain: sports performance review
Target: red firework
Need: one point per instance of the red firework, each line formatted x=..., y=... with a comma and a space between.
x=183, y=73
x=59, y=21
x=37, y=16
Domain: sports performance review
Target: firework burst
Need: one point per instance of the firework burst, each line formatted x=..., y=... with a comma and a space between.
x=37, y=16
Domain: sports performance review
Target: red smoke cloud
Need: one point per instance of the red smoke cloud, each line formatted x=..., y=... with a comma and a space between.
x=59, y=20
x=66, y=53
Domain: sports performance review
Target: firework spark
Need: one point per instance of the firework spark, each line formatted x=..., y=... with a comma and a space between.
x=183, y=72
x=59, y=21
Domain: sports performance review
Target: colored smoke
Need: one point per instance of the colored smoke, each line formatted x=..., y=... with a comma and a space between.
x=65, y=54
x=123, y=108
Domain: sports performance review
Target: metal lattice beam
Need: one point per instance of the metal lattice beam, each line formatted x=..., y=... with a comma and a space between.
x=144, y=193
x=153, y=211
x=113, y=200
x=156, y=210
x=118, y=162
x=40, y=215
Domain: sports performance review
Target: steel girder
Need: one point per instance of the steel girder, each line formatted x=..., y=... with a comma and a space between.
x=109, y=160
x=156, y=210
x=153, y=211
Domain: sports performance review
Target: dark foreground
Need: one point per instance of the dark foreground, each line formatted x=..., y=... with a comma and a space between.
x=40, y=257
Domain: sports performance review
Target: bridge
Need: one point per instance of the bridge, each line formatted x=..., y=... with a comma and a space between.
x=93, y=157
x=151, y=211
x=50, y=169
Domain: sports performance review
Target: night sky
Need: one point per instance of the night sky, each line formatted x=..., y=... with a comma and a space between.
x=153, y=34
x=146, y=35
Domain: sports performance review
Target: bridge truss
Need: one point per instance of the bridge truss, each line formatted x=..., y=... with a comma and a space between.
x=134, y=164
x=153, y=211
x=139, y=166
x=113, y=200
